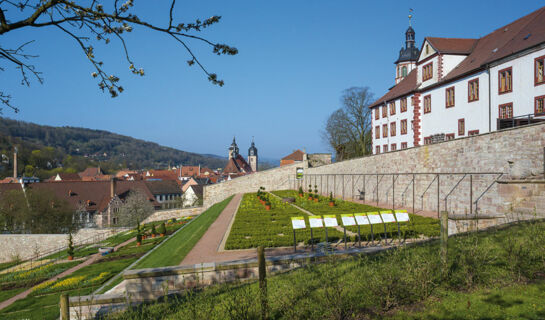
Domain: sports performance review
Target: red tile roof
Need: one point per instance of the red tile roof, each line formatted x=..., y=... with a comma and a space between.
x=66, y=177
x=237, y=165
x=404, y=87
x=452, y=45
x=91, y=172
x=297, y=155
x=517, y=36
x=503, y=42
x=95, y=194
x=9, y=180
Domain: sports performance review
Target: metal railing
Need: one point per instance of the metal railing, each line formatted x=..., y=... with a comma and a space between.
x=518, y=121
x=444, y=185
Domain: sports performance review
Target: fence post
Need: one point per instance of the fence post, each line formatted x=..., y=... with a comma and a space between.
x=262, y=281
x=65, y=312
x=444, y=239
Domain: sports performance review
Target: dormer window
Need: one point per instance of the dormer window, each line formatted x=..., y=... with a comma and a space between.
x=404, y=71
x=427, y=49
x=427, y=71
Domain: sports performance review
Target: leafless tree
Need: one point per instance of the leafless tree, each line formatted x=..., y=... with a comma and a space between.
x=89, y=22
x=348, y=129
x=136, y=208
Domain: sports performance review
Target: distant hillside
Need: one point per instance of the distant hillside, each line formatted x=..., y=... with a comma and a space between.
x=90, y=147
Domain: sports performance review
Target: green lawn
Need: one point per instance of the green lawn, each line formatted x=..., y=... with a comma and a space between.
x=521, y=301
x=174, y=250
x=497, y=274
x=255, y=226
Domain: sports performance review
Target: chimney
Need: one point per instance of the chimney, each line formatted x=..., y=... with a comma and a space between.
x=112, y=187
x=15, y=163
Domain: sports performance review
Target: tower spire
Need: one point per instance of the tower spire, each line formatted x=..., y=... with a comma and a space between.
x=410, y=16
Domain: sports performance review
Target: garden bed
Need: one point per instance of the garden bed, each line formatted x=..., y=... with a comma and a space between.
x=255, y=226
x=417, y=227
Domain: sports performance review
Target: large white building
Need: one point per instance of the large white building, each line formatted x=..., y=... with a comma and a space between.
x=454, y=88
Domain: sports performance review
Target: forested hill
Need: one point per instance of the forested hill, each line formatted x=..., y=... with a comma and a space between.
x=88, y=147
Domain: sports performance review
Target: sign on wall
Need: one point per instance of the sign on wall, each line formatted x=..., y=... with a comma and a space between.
x=330, y=221
x=348, y=220
x=402, y=215
x=315, y=222
x=298, y=223
x=387, y=216
x=374, y=218
x=361, y=218
x=299, y=173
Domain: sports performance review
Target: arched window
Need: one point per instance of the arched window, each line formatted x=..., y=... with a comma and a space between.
x=427, y=49
x=404, y=71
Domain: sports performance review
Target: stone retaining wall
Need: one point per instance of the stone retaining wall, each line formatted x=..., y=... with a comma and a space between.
x=514, y=153
x=272, y=179
x=162, y=215
x=27, y=246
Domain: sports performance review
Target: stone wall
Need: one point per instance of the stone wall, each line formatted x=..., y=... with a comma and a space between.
x=162, y=215
x=506, y=155
x=26, y=246
x=272, y=179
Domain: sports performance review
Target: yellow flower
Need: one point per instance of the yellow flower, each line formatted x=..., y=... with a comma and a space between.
x=68, y=282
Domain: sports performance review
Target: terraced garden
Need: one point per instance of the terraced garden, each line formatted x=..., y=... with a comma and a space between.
x=42, y=303
x=255, y=226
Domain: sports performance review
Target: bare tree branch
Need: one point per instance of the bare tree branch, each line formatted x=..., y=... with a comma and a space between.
x=100, y=23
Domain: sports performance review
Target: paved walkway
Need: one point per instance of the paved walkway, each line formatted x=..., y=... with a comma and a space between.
x=87, y=262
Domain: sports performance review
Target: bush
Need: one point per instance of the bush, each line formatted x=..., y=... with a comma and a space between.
x=153, y=231
x=162, y=228
x=70, y=251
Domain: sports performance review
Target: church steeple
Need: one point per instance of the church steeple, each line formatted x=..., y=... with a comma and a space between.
x=252, y=156
x=233, y=149
x=408, y=55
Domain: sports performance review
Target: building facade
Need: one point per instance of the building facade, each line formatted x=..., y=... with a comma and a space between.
x=464, y=87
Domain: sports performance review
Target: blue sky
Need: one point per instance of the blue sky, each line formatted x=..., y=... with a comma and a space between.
x=295, y=58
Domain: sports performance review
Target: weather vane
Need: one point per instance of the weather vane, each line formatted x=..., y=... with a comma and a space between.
x=410, y=15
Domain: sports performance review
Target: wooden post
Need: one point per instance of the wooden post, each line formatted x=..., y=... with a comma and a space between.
x=444, y=239
x=262, y=281
x=65, y=311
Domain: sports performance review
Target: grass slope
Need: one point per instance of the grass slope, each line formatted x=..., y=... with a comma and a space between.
x=174, y=250
x=501, y=273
